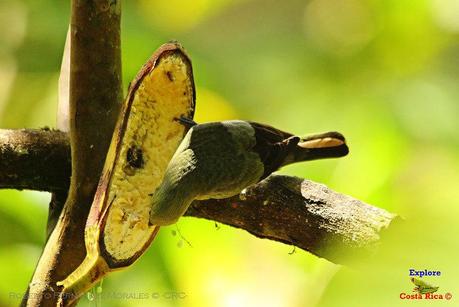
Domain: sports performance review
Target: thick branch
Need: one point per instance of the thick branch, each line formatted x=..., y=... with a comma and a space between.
x=301, y=213
x=34, y=159
x=281, y=208
x=94, y=97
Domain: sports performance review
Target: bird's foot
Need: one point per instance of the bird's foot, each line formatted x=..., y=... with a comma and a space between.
x=187, y=122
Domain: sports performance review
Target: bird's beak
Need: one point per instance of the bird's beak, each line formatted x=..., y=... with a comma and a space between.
x=323, y=145
x=323, y=140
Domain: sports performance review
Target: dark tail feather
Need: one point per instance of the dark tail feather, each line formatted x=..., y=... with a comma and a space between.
x=319, y=146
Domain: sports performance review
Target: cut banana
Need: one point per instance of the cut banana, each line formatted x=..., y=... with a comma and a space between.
x=147, y=134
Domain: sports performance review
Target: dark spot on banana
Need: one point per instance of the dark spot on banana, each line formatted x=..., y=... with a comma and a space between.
x=135, y=157
x=170, y=76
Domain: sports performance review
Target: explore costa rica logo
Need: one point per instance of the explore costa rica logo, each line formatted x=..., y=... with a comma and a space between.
x=423, y=289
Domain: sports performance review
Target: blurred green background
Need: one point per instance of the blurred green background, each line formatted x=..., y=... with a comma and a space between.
x=384, y=73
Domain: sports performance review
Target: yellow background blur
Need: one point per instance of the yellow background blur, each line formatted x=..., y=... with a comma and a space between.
x=384, y=73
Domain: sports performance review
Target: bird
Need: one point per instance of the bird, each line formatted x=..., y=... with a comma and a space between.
x=220, y=159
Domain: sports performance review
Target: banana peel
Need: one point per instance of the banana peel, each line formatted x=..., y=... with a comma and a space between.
x=146, y=136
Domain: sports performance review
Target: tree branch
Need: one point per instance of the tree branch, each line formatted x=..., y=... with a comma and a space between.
x=94, y=98
x=301, y=213
x=37, y=159
x=281, y=208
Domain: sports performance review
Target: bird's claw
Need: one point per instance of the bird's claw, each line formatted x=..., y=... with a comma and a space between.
x=187, y=122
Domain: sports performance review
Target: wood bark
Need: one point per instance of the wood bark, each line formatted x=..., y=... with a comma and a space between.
x=95, y=96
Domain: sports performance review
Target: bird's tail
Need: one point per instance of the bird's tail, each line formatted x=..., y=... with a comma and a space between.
x=318, y=146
